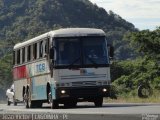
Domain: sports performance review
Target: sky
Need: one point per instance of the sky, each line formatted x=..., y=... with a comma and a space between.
x=144, y=14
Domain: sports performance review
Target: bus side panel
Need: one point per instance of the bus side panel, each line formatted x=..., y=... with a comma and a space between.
x=39, y=75
x=20, y=80
x=38, y=85
x=18, y=86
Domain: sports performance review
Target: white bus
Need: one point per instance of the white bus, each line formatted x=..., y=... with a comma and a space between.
x=64, y=66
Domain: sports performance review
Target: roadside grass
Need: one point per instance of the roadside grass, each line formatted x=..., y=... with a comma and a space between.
x=133, y=98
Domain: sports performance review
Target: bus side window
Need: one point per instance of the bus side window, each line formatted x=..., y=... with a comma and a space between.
x=38, y=47
x=18, y=56
x=35, y=51
x=46, y=47
x=26, y=54
x=23, y=55
x=29, y=53
x=41, y=49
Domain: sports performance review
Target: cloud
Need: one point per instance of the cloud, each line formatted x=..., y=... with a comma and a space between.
x=145, y=23
x=132, y=9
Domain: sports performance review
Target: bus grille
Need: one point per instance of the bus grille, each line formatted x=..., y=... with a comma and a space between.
x=86, y=83
x=84, y=92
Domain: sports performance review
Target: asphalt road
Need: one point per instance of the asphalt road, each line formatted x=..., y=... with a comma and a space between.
x=85, y=111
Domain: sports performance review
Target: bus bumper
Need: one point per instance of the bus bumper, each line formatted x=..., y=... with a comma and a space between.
x=83, y=92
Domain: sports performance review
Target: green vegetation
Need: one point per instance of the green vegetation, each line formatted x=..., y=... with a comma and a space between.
x=137, y=53
x=5, y=74
x=155, y=98
x=129, y=74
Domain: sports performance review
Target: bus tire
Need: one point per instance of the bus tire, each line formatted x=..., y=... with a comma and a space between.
x=14, y=102
x=48, y=91
x=29, y=103
x=70, y=103
x=98, y=102
x=73, y=104
x=23, y=92
x=37, y=104
x=53, y=103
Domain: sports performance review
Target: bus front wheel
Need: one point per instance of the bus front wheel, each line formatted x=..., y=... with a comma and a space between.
x=98, y=102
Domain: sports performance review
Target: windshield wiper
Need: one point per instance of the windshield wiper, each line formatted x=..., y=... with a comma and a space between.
x=96, y=65
x=70, y=65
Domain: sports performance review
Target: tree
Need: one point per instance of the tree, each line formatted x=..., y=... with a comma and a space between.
x=147, y=42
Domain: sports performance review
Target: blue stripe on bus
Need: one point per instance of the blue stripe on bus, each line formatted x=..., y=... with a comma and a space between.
x=39, y=92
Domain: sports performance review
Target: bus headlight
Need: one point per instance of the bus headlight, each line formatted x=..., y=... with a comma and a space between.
x=63, y=91
x=104, y=90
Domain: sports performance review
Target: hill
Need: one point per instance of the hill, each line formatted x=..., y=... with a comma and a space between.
x=23, y=19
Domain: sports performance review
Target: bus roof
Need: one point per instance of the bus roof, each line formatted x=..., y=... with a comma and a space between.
x=67, y=32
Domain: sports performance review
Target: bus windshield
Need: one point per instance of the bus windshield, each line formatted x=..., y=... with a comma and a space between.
x=81, y=51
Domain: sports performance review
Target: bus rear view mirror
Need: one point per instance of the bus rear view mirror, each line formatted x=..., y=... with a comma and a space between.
x=111, y=51
x=51, y=53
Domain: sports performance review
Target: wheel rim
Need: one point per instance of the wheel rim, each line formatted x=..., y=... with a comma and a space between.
x=50, y=99
x=28, y=100
x=29, y=103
